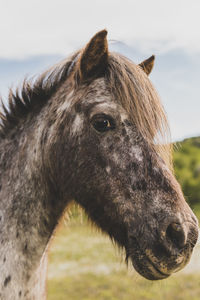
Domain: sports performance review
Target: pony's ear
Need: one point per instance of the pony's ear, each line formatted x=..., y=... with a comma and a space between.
x=147, y=65
x=94, y=57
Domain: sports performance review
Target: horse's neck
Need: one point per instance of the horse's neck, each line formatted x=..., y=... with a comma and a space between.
x=17, y=283
x=26, y=220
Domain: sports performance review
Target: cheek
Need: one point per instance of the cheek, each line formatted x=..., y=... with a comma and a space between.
x=126, y=162
x=136, y=154
x=126, y=156
x=113, y=154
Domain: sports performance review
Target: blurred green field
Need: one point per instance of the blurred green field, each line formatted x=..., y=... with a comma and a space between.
x=187, y=170
x=84, y=265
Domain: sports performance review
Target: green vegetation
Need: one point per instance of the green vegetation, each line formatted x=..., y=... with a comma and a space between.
x=187, y=170
x=84, y=265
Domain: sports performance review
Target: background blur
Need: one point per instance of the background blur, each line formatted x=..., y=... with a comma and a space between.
x=36, y=34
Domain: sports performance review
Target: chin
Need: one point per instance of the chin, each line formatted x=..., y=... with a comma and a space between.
x=153, y=267
x=148, y=270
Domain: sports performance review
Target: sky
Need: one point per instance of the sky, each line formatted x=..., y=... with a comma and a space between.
x=36, y=34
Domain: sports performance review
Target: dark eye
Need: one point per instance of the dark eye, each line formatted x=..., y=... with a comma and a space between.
x=103, y=123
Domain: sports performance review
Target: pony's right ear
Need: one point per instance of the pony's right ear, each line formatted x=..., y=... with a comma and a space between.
x=147, y=65
x=94, y=57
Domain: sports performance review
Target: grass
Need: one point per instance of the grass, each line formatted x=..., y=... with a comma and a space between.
x=84, y=265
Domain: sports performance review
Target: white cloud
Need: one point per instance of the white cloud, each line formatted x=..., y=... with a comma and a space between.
x=36, y=27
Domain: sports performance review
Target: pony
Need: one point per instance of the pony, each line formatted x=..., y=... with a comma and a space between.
x=90, y=129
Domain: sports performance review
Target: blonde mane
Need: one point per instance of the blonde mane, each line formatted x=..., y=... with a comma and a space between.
x=133, y=89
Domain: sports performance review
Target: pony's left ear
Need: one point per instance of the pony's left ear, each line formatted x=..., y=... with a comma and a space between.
x=147, y=65
x=94, y=57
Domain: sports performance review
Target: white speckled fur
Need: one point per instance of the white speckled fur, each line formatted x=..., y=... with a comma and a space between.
x=77, y=125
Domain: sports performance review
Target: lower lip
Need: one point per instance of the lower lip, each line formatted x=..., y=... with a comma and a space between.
x=156, y=272
x=151, y=272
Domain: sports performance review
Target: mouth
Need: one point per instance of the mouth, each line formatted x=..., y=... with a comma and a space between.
x=146, y=268
x=148, y=265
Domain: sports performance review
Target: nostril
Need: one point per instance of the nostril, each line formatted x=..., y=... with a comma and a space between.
x=176, y=235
